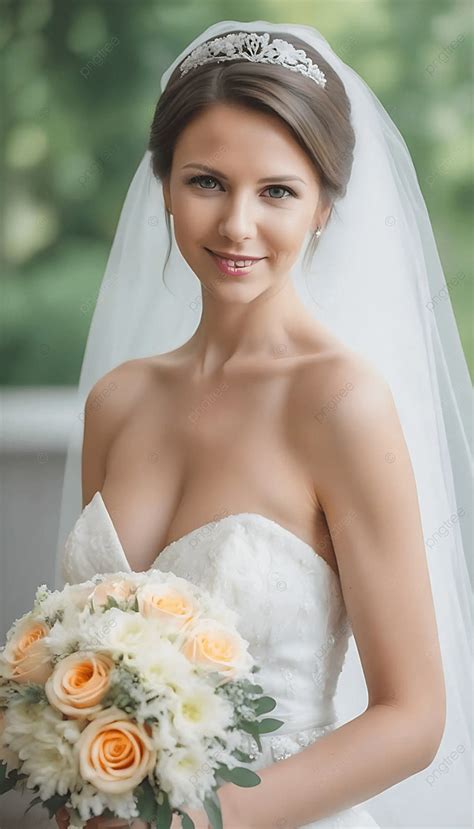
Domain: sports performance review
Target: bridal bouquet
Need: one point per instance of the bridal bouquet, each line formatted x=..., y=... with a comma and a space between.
x=129, y=695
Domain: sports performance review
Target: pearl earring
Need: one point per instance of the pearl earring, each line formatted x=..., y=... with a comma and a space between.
x=318, y=231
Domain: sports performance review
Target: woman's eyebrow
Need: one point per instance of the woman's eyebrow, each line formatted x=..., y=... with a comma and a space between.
x=215, y=172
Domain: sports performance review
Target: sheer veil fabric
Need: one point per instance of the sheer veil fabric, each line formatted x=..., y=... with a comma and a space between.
x=378, y=283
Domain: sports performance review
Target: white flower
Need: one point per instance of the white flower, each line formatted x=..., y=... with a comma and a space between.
x=89, y=801
x=186, y=775
x=162, y=665
x=6, y=754
x=164, y=735
x=199, y=712
x=63, y=636
x=118, y=632
x=42, y=593
x=223, y=754
x=49, y=605
x=45, y=745
x=72, y=596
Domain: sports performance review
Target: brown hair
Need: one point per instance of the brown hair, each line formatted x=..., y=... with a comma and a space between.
x=318, y=117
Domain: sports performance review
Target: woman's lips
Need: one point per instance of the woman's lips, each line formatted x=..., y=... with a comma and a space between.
x=226, y=268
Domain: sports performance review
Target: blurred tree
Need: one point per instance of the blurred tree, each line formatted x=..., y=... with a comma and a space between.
x=81, y=80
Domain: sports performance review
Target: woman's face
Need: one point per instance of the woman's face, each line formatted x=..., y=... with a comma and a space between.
x=229, y=209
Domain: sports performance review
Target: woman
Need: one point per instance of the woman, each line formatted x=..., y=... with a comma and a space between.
x=264, y=454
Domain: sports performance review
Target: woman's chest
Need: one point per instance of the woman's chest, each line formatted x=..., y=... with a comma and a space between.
x=188, y=456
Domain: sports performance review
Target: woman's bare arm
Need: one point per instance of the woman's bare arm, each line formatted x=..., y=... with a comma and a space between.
x=364, y=471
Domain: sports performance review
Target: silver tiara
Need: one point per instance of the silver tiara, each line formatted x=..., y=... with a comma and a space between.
x=253, y=47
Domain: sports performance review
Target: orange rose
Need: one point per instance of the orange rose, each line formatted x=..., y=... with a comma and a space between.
x=26, y=654
x=120, y=589
x=115, y=754
x=79, y=683
x=213, y=646
x=169, y=604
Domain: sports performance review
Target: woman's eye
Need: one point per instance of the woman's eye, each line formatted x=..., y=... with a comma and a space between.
x=280, y=187
x=200, y=179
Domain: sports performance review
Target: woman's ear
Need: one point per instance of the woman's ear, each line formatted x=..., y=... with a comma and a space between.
x=321, y=216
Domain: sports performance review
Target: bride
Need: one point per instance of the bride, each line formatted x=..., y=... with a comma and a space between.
x=281, y=442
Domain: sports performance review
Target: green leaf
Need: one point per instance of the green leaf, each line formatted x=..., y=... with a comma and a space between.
x=252, y=728
x=54, y=803
x=186, y=821
x=135, y=606
x=213, y=811
x=34, y=802
x=10, y=781
x=242, y=756
x=270, y=724
x=251, y=688
x=164, y=814
x=3, y=773
x=146, y=801
x=264, y=705
x=111, y=602
x=239, y=776
x=33, y=692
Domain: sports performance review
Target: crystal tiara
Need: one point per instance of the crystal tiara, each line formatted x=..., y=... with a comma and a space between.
x=256, y=48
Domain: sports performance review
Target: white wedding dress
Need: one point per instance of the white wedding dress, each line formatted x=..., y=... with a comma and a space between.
x=290, y=606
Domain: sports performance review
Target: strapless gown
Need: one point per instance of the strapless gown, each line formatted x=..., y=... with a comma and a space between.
x=291, y=611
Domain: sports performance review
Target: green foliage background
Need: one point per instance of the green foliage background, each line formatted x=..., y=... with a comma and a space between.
x=72, y=140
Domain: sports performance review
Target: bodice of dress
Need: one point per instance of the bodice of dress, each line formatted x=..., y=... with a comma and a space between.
x=288, y=599
x=290, y=608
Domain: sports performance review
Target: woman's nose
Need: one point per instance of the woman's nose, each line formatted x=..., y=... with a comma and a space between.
x=237, y=221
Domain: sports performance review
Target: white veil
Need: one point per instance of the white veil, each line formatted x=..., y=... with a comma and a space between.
x=378, y=283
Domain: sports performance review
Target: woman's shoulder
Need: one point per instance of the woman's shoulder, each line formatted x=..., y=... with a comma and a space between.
x=129, y=375
x=333, y=388
x=116, y=393
x=335, y=366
